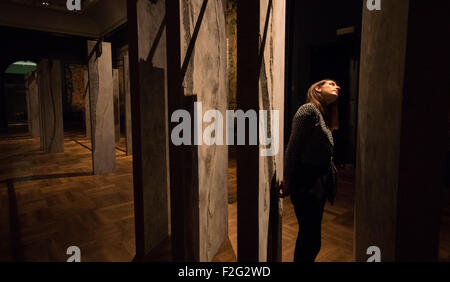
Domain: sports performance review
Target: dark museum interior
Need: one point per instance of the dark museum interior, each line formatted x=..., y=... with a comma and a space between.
x=86, y=104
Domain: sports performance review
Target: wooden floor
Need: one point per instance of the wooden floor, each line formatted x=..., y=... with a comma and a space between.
x=337, y=228
x=49, y=202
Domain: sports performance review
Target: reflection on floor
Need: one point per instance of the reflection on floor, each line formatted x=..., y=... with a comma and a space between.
x=49, y=202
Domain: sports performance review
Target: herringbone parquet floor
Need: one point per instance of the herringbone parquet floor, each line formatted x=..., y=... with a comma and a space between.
x=51, y=202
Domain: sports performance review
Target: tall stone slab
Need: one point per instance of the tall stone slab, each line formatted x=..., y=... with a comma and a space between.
x=87, y=106
x=206, y=77
x=101, y=107
x=271, y=99
x=127, y=93
x=116, y=105
x=33, y=100
x=50, y=102
x=27, y=99
x=247, y=98
x=148, y=88
x=260, y=86
x=401, y=139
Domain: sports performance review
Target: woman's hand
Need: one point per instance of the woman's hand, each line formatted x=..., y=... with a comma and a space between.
x=284, y=189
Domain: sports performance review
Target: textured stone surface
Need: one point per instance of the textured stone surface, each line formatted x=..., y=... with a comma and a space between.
x=207, y=78
x=126, y=81
x=380, y=100
x=33, y=101
x=50, y=100
x=271, y=91
x=150, y=143
x=102, y=109
x=116, y=105
x=401, y=132
x=260, y=26
x=231, y=22
x=27, y=100
x=87, y=107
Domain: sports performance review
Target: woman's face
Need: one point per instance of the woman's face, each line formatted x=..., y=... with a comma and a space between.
x=329, y=91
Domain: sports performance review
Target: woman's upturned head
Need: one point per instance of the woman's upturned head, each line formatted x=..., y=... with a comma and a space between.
x=324, y=95
x=324, y=92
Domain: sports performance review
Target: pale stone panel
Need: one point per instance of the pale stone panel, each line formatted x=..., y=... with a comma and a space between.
x=50, y=100
x=126, y=79
x=87, y=105
x=116, y=91
x=102, y=109
x=206, y=77
x=33, y=100
x=271, y=97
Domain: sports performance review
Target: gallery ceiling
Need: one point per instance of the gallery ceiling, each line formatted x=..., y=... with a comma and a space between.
x=58, y=5
x=96, y=18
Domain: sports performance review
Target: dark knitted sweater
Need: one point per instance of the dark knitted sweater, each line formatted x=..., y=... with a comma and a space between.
x=311, y=142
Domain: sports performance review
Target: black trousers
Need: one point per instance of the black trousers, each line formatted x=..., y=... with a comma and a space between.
x=309, y=203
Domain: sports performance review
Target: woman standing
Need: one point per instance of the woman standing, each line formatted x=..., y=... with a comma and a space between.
x=309, y=170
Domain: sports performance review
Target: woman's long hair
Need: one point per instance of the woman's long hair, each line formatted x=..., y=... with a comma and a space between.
x=329, y=112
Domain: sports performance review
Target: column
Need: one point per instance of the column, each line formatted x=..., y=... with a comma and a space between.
x=87, y=110
x=260, y=86
x=116, y=105
x=206, y=81
x=27, y=99
x=147, y=73
x=402, y=128
x=126, y=81
x=271, y=99
x=50, y=101
x=184, y=246
x=33, y=96
x=101, y=107
x=247, y=98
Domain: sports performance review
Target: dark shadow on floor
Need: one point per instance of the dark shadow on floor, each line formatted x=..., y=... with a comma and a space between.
x=15, y=234
x=45, y=176
x=14, y=228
